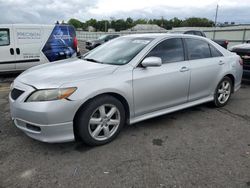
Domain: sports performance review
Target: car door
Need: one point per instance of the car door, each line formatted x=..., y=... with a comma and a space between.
x=7, y=46
x=161, y=87
x=205, y=69
x=28, y=46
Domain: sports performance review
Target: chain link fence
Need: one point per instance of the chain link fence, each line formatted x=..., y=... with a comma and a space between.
x=234, y=35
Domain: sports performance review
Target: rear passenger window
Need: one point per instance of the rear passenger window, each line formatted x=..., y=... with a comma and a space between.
x=4, y=37
x=198, y=33
x=170, y=50
x=197, y=49
x=214, y=51
x=190, y=33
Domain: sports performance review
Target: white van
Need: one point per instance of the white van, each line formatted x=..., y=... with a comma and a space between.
x=23, y=46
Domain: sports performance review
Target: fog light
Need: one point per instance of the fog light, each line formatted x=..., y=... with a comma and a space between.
x=33, y=128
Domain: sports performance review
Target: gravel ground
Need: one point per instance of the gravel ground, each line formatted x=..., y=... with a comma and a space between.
x=197, y=147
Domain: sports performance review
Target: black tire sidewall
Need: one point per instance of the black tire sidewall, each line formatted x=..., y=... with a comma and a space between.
x=216, y=101
x=86, y=112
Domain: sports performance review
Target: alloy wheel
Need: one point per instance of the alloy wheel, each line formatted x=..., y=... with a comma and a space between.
x=224, y=91
x=104, y=122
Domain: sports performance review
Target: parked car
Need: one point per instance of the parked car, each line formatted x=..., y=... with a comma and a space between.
x=223, y=43
x=24, y=46
x=243, y=50
x=126, y=80
x=102, y=39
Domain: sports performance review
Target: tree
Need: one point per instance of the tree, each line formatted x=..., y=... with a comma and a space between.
x=121, y=24
x=92, y=22
x=76, y=23
x=197, y=22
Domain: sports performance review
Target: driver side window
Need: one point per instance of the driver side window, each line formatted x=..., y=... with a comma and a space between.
x=170, y=50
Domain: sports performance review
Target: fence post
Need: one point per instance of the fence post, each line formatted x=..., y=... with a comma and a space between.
x=244, y=35
x=214, y=35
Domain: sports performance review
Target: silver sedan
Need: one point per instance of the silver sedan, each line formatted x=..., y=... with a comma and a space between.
x=126, y=80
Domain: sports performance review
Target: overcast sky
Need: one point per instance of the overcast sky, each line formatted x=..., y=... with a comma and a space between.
x=48, y=11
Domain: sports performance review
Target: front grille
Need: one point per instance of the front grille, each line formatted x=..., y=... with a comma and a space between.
x=246, y=61
x=15, y=93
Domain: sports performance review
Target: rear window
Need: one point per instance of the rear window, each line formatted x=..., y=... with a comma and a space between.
x=4, y=37
x=197, y=49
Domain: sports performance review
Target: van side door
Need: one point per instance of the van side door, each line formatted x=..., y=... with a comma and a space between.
x=28, y=46
x=7, y=52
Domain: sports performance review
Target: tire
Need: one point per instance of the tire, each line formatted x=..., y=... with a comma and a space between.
x=223, y=92
x=101, y=120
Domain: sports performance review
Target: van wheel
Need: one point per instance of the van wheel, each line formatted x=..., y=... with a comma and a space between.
x=223, y=92
x=101, y=120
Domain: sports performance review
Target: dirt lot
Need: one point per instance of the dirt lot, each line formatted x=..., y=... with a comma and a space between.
x=196, y=147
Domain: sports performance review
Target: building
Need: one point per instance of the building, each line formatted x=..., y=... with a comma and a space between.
x=147, y=27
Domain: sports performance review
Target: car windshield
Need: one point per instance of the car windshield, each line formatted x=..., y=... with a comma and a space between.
x=119, y=51
x=102, y=37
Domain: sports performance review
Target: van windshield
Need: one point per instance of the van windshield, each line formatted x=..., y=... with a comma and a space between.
x=119, y=51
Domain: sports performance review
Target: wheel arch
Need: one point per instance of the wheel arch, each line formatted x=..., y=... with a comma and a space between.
x=121, y=98
x=231, y=76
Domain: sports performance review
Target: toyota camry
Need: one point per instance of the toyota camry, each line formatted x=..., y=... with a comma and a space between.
x=124, y=81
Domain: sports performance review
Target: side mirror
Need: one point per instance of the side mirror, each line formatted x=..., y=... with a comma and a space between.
x=152, y=62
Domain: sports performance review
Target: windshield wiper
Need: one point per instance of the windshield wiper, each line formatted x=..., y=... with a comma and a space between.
x=92, y=60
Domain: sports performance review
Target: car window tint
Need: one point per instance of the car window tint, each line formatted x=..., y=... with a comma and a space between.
x=4, y=37
x=197, y=49
x=170, y=50
x=198, y=33
x=189, y=32
x=214, y=51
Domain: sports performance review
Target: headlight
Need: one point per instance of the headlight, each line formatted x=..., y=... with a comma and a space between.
x=11, y=85
x=50, y=94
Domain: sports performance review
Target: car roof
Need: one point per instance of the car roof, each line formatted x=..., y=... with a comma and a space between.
x=162, y=35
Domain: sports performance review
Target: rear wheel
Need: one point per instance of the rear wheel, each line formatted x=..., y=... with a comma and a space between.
x=101, y=120
x=223, y=92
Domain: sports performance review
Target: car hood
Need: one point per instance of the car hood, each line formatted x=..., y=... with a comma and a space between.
x=95, y=41
x=53, y=75
x=244, y=47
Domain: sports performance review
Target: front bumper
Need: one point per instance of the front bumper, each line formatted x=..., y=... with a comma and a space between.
x=50, y=121
x=53, y=133
x=90, y=47
x=246, y=74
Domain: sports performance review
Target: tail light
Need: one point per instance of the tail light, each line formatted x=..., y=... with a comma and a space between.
x=241, y=62
x=75, y=43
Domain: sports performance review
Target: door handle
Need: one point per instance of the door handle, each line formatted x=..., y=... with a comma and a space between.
x=18, y=51
x=221, y=62
x=12, y=51
x=184, y=69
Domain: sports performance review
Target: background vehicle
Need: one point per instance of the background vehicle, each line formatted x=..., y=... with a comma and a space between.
x=243, y=50
x=223, y=43
x=104, y=38
x=128, y=79
x=23, y=46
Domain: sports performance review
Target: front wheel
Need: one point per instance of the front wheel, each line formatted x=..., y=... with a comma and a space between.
x=223, y=92
x=101, y=120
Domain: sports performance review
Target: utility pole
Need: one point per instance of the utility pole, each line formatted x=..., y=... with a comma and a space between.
x=216, y=15
x=215, y=20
